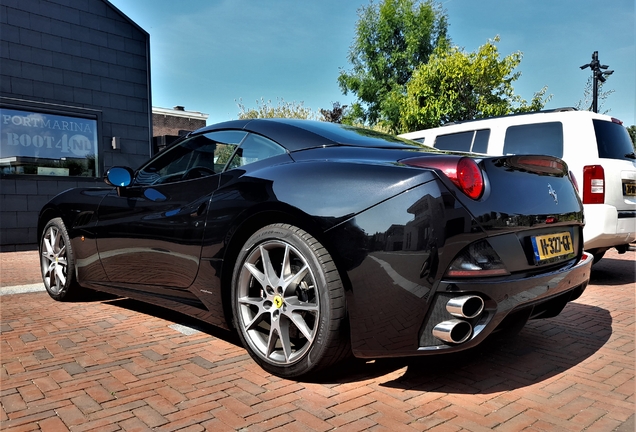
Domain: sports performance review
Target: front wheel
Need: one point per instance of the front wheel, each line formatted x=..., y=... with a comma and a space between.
x=57, y=261
x=288, y=302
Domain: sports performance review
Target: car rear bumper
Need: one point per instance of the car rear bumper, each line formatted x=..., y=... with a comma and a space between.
x=536, y=296
x=606, y=227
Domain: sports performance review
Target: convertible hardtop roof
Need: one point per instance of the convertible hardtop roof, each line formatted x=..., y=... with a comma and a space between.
x=296, y=134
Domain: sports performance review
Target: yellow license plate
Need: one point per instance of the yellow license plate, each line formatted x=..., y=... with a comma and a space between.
x=629, y=189
x=552, y=245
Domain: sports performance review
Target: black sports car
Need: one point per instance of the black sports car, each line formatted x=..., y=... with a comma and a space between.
x=313, y=240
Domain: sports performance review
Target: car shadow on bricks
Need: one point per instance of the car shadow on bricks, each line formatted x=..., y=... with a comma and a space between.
x=611, y=272
x=178, y=319
x=543, y=349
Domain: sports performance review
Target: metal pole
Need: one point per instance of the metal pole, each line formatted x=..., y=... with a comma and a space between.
x=595, y=92
x=598, y=74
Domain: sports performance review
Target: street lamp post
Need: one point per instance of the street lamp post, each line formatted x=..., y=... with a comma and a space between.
x=598, y=73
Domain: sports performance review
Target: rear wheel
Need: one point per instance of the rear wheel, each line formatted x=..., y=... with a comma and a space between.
x=57, y=261
x=598, y=254
x=288, y=302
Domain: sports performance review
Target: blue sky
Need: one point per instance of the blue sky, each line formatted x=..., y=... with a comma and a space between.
x=208, y=54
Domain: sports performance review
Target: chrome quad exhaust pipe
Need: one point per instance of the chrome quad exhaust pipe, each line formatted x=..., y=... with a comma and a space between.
x=468, y=306
x=456, y=331
x=453, y=331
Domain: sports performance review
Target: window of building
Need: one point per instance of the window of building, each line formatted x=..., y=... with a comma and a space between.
x=47, y=144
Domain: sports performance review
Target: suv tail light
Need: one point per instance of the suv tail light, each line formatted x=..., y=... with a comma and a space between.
x=462, y=171
x=593, y=184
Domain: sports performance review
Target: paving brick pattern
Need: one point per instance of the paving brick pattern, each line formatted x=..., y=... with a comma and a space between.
x=19, y=268
x=114, y=364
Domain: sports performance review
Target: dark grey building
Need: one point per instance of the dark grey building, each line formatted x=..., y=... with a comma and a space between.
x=74, y=101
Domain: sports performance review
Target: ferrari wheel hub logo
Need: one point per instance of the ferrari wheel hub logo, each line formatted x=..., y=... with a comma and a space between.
x=278, y=301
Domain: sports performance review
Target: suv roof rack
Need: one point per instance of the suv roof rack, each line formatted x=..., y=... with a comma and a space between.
x=553, y=110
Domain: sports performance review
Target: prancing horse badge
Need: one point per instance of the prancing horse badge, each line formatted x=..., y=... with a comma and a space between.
x=553, y=193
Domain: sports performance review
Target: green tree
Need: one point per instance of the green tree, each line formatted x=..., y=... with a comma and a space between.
x=455, y=85
x=632, y=134
x=282, y=109
x=392, y=38
x=335, y=114
x=588, y=95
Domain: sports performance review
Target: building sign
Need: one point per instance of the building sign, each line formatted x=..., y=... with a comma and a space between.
x=29, y=140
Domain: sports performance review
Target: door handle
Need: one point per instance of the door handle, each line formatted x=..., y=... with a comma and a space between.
x=199, y=211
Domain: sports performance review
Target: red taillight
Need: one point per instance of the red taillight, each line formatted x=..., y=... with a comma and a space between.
x=617, y=121
x=462, y=171
x=471, y=180
x=593, y=184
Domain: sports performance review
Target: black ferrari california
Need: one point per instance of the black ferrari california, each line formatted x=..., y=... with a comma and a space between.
x=314, y=240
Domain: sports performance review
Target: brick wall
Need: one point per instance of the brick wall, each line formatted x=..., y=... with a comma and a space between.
x=22, y=199
x=171, y=125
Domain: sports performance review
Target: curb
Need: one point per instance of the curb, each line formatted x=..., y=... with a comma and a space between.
x=22, y=289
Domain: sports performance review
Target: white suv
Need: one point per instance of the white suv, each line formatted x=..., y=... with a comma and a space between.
x=596, y=147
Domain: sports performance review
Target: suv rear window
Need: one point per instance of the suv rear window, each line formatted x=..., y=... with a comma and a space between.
x=612, y=140
x=536, y=138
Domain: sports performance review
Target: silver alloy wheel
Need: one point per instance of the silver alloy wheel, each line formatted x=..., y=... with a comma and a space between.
x=278, y=302
x=53, y=259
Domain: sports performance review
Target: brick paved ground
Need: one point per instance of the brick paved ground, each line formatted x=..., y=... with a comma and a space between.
x=19, y=268
x=115, y=364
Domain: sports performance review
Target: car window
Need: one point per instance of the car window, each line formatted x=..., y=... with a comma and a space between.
x=197, y=156
x=612, y=140
x=460, y=141
x=475, y=141
x=254, y=148
x=480, y=142
x=536, y=138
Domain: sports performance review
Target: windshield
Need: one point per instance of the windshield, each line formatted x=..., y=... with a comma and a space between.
x=613, y=140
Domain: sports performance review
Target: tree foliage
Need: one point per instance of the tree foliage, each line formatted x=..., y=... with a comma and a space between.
x=455, y=85
x=588, y=96
x=282, y=109
x=335, y=114
x=392, y=39
x=632, y=134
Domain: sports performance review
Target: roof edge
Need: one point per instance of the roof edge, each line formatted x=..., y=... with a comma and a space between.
x=126, y=17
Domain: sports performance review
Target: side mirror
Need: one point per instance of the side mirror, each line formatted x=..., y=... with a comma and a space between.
x=119, y=176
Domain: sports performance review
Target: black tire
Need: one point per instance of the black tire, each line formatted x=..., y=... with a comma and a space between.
x=598, y=255
x=57, y=261
x=290, y=314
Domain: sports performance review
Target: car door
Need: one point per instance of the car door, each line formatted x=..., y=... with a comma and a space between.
x=149, y=234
